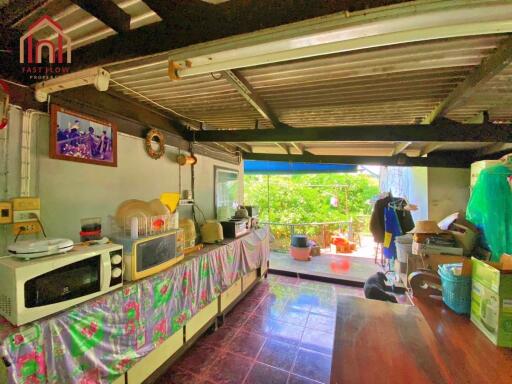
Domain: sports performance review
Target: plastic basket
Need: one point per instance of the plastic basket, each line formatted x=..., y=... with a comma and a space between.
x=456, y=291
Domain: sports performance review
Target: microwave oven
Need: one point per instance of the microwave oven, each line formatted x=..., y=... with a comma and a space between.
x=148, y=255
x=36, y=288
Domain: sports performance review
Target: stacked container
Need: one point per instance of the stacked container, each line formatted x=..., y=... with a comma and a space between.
x=299, y=249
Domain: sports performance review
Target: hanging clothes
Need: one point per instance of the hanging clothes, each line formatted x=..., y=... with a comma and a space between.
x=377, y=219
x=404, y=215
x=392, y=230
x=490, y=209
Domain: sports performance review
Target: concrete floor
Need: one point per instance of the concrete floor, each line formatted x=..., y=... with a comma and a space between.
x=347, y=268
x=356, y=266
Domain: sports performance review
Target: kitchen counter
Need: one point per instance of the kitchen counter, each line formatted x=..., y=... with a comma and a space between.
x=99, y=340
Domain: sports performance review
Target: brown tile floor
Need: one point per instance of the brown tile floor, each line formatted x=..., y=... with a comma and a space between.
x=280, y=333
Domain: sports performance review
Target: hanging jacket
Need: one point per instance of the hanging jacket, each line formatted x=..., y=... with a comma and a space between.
x=377, y=219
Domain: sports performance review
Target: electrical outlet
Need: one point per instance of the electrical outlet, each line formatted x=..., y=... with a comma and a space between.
x=26, y=228
x=5, y=212
x=22, y=216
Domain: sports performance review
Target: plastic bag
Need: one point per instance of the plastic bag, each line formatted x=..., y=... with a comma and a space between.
x=490, y=209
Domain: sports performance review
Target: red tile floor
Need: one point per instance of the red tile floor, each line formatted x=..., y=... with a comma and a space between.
x=280, y=333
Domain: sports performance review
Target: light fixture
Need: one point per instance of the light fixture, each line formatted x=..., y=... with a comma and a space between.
x=97, y=76
x=342, y=32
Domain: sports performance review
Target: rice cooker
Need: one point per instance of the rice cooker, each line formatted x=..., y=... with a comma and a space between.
x=211, y=232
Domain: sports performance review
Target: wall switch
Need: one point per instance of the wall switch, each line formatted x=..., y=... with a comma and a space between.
x=5, y=212
x=26, y=228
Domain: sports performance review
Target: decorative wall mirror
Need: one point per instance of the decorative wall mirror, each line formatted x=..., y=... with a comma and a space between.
x=226, y=193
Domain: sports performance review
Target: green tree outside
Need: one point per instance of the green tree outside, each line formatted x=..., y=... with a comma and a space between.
x=306, y=198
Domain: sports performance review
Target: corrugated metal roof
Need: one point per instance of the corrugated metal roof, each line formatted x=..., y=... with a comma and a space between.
x=83, y=28
x=494, y=96
x=398, y=84
x=207, y=98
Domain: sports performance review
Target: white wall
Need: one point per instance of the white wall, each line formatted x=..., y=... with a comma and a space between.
x=438, y=192
x=70, y=191
x=448, y=191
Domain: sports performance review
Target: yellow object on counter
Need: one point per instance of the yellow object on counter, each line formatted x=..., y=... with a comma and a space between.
x=170, y=200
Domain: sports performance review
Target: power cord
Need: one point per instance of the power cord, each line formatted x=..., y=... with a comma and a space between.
x=42, y=227
x=20, y=231
x=200, y=210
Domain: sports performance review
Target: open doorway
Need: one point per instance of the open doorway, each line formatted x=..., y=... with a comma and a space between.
x=330, y=206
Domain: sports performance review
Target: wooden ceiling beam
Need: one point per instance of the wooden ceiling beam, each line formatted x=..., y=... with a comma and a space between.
x=493, y=148
x=400, y=147
x=429, y=148
x=108, y=12
x=460, y=159
x=490, y=67
x=246, y=90
x=299, y=147
x=284, y=147
x=244, y=147
x=440, y=131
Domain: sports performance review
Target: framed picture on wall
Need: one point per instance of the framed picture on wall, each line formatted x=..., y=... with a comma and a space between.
x=78, y=137
x=226, y=193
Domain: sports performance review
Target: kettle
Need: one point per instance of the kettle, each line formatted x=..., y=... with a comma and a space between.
x=211, y=232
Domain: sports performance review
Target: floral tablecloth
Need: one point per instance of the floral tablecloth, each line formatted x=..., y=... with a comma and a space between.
x=99, y=340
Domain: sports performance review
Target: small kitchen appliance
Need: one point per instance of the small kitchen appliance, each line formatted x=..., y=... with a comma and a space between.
x=148, y=255
x=235, y=228
x=32, y=289
x=31, y=249
x=212, y=232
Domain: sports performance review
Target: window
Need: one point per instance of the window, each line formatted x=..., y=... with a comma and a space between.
x=226, y=192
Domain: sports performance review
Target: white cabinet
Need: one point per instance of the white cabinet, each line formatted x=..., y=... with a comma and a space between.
x=200, y=319
x=230, y=295
x=145, y=367
x=248, y=279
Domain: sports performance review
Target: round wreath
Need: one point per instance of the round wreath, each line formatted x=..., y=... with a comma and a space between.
x=157, y=136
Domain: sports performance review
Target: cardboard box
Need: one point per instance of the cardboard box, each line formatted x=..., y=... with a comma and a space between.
x=491, y=300
x=424, y=249
x=434, y=261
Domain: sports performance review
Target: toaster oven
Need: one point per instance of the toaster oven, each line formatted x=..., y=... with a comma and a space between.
x=148, y=255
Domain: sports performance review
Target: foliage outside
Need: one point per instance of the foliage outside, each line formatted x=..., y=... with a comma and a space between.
x=294, y=199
